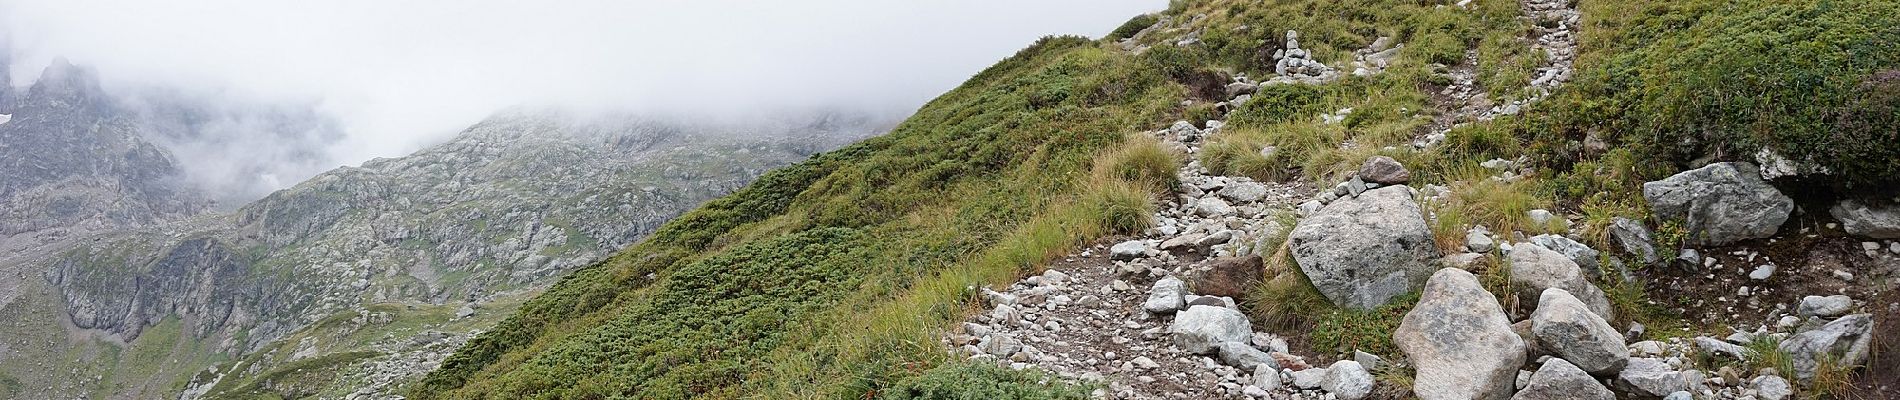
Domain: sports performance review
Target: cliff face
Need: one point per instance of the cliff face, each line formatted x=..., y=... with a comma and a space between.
x=73, y=159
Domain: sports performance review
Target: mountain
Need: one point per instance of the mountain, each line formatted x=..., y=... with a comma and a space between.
x=76, y=162
x=500, y=210
x=1304, y=199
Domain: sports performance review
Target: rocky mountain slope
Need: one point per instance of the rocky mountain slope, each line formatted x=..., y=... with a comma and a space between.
x=496, y=212
x=76, y=162
x=1301, y=199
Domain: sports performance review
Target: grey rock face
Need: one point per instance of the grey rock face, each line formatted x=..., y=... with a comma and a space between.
x=1384, y=171
x=1534, y=269
x=1720, y=204
x=1460, y=341
x=76, y=161
x=1167, y=296
x=1347, y=380
x=1634, y=239
x=1569, y=330
x=1879, y=220
x=1560, y=380
x=1361, y=252
x=1845, y=340
x=1201, y=329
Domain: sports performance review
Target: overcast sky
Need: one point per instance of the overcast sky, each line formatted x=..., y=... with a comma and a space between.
x=398, y=75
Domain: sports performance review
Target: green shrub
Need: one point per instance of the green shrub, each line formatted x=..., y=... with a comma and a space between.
x=1132, y=27
x=1729, y=78
x=973, y=381
x=1279, y=103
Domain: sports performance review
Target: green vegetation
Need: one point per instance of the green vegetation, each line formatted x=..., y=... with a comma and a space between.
x=828, y=279
x=1133, y=26
x=969, y=381
x=1689, y=80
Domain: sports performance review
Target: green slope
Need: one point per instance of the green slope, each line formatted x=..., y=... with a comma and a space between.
x=829, y=279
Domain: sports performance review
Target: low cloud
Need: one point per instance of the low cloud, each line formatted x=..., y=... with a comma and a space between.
x=383, y=78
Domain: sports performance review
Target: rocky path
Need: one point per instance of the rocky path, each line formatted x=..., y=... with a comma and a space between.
x=1554, y=24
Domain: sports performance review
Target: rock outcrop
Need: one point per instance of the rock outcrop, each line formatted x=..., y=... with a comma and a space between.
x=1720, y=203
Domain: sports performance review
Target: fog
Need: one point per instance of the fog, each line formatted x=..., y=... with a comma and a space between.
x=383, y=78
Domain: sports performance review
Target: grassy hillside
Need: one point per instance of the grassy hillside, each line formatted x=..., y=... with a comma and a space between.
x=823, y=279
x=829, y=279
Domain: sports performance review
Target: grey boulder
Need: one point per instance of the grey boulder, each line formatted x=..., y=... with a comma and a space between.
x=1845, y=340
x=1167, y=296
x=1362, y=252
x=1720, y=203
x=1560, y=380
x=1535, y=268
x=1201, y=329
x=1384, y=171
x=1879, y=220
x=1243, y=355
x=1459, y=340
x=1577, y=252
x=1649, y=378
x=1569, y=330
x=1825, y=306
x=1635, y=240
x=1347, y=380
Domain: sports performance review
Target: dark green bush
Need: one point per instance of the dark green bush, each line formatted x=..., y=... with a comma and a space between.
x=1749, y=75
x=970, y=381
x=1133, y=26
x=1279, y=103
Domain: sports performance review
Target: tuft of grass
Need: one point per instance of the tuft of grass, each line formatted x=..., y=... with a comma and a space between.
x=1144, y=161
x=1502, y=207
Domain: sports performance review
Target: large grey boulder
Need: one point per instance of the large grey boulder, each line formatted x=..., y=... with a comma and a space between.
x=1634, y=239
x=1567, y=329
x=1362, y=252
x=1201, y=329
x=1719, y=204
x=1460, y=341
x=1879, y=220
x=1535, y=268
x=1560, y=380
x=1846, y=341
